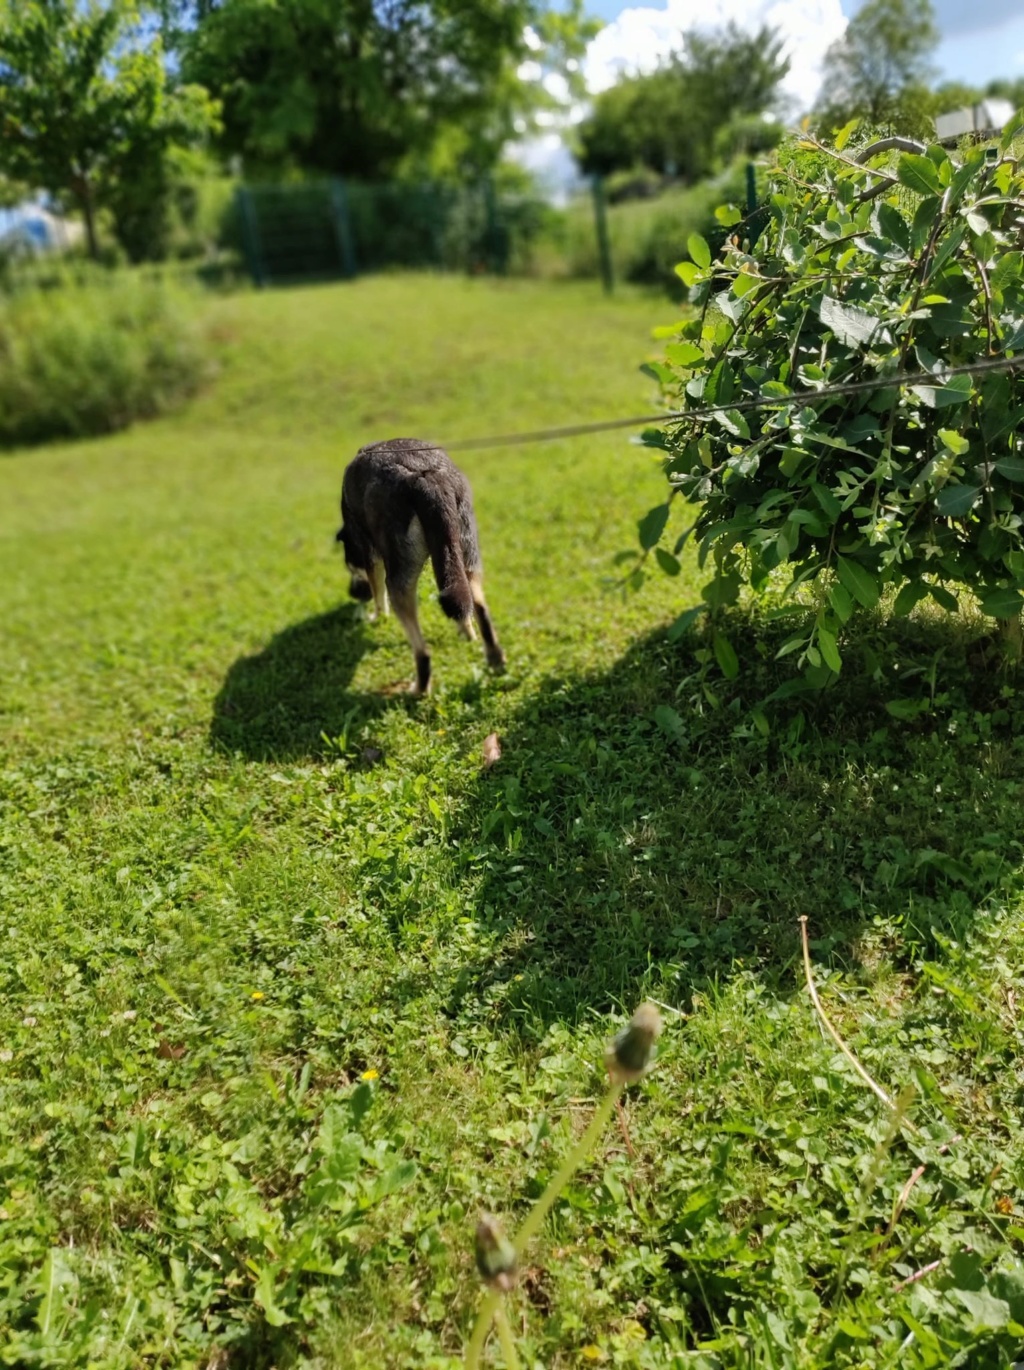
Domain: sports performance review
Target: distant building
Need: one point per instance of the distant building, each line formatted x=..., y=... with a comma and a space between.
x=30, y=228
x=984, y=120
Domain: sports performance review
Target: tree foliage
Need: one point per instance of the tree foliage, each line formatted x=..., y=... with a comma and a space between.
x=672, y=119
x=879, y=70
x=861, y=276
x=356, y=87
x=87, y=113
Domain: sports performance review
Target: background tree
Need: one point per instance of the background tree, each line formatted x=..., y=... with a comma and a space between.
x=879, y=70
x=87, y=113
x=356, y=87
x=671, y=119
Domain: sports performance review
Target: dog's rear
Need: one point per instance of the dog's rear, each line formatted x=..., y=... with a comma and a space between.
x=401, y=501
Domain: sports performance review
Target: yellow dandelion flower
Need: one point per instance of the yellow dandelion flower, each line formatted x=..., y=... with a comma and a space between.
x=370, y=1075
x=592, y=1352
x=258, y=994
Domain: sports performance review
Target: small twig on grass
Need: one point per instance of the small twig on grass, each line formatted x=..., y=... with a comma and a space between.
x=917, y=1275
x=826, y=1023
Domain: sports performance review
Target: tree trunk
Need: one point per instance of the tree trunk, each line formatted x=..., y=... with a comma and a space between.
x=82, y=191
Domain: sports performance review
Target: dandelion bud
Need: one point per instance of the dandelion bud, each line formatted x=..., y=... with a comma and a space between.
x=495, y=1254
x=632, y=1049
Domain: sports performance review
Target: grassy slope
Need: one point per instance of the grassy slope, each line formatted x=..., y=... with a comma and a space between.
x=234, y=878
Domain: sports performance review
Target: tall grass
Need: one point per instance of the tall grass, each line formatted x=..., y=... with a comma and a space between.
x=93, y=357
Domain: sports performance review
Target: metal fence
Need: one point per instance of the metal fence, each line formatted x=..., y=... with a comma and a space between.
x=322, y=229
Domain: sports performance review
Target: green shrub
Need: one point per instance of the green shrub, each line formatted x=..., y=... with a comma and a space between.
x=863, y=278
x=85, y=359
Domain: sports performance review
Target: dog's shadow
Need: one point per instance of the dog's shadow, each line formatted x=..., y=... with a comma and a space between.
x=283, y=703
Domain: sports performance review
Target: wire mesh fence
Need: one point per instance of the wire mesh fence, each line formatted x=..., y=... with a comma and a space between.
x=332, y=228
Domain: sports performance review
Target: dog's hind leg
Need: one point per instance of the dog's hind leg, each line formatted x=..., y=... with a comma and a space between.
x=375, y=576
x=492, y=648
x=404, y=601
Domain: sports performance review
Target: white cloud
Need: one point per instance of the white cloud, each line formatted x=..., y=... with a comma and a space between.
x=641, y=36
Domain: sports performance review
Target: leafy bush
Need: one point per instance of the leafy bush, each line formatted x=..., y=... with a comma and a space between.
x=860, y=278
x=92, y=358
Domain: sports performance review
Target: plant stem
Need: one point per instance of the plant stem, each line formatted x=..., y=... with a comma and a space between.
x=491, y=1304
x=508, y=1345
x=561, y=1178
x=491, y=1309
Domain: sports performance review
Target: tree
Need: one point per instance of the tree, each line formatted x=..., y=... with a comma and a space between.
x=356, y=87
x=879, y=70
x=671, y=119
x=87, y=112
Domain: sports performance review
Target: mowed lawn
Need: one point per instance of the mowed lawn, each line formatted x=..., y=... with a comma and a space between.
x=294, y=985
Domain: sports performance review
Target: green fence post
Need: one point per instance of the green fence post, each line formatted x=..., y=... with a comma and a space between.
x=601, y=228
x=751, y=187
x=343, y=228
x=251, y=236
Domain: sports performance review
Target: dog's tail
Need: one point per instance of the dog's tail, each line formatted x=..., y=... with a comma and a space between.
x=442, y=529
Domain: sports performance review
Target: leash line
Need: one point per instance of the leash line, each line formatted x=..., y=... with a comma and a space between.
x=576, y=430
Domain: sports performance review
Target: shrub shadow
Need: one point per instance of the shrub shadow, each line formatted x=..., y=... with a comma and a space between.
x=639, y=836
x=278, y=704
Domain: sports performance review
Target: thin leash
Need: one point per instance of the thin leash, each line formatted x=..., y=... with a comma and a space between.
x=932, y=379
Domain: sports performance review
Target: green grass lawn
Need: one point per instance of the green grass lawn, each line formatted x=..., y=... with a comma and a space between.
x=294, y=986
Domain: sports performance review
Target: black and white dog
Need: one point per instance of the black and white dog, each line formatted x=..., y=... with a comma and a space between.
x=403, y=501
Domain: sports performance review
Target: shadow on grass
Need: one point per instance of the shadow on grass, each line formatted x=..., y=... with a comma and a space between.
x=638, y=837
x=280, y=703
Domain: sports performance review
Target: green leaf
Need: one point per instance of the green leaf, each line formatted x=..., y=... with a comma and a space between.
x=698, y=250
x=1008, y=266
x=685, y=622
x=859, y=582
x=944, y=598
x=924, y=221
x=726, y=656
x=851, y=325
x=659, y=372
x=843, y=136
x=688, y=273
x=55, y=1277
x=1011, y=467
x=841, y=601
x=955, y=390
x=919, y=174
x=829, y=650
x=956, y=442
x=953, y=501
x=667, y=561
x=893, y=225
x=727, y=215
x=652, y=525
x=906, y=709
x=912, y=593
x=401, y=1174
x=827, y=500
x=266, y=1297
x=1002, y=603
x=670, y=723
x=684, y=354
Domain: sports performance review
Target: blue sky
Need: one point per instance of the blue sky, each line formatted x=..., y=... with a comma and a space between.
x=982, y=39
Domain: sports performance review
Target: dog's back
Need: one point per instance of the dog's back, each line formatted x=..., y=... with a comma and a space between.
x=404, y=500
x=401, y=501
